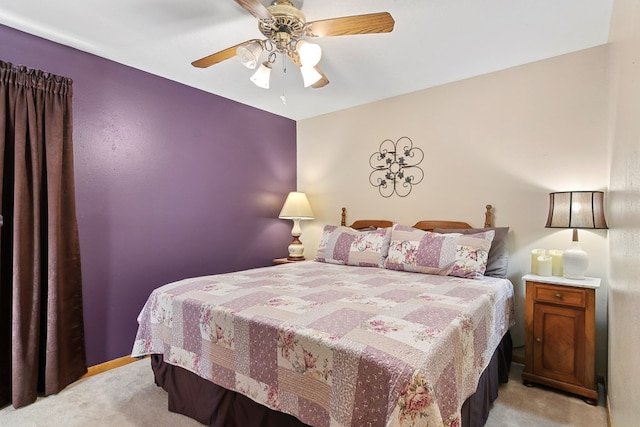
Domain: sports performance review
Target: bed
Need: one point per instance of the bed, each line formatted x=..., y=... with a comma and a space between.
x=389, y=325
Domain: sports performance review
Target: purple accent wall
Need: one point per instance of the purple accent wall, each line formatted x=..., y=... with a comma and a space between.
x=171, y=182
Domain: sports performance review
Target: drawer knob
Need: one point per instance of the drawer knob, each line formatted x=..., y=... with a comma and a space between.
x=538, y=339
x=558, y=296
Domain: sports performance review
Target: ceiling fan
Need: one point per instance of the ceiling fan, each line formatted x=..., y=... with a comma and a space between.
x=286, y=32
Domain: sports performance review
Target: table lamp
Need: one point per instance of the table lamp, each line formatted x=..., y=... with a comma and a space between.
x=576, y=209
x=296, y=207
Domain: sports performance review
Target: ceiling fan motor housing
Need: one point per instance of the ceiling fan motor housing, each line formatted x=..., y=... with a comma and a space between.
x=288, y=23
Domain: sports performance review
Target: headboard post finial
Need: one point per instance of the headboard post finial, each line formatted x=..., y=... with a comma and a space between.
x=488, y=216
x=343, y=220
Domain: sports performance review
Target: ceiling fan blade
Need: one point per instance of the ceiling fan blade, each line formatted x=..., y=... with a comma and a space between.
x=347, y=25
x=323, y=80
x=214, y=58
x=255, y=8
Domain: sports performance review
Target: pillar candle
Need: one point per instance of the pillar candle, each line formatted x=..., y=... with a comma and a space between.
x=556, y=262
x=535, y=253
x=544, y=265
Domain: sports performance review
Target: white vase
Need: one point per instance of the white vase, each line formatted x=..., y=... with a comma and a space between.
x=574, y=261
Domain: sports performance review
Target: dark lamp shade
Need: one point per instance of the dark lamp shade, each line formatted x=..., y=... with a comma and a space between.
x=576, y=209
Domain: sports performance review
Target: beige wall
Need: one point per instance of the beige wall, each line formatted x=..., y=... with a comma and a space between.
x=624, y=216
x=506, y=138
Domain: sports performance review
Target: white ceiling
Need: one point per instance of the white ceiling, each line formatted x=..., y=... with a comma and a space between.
x=433, y=42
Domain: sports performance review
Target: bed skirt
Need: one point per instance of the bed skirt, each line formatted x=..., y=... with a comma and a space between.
x=216, y=406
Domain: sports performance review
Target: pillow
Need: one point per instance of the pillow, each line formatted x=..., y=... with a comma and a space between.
x=346, y=246
x=498, y=254
x=454, y=254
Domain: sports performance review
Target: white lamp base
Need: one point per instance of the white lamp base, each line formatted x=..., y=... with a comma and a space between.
x=574, y=262
x=296, y=250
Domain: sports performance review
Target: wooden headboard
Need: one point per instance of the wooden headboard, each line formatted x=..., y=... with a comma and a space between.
x=427, y=225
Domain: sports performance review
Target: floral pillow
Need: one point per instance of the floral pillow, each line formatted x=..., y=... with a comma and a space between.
x=346, y=246
x=498, y=261
x=453, y=254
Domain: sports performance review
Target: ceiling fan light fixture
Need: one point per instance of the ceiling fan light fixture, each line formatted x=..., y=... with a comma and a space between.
x=262, y=75
x=309, y=75
x=310, y=53
x=285, y=29
x=249, y=53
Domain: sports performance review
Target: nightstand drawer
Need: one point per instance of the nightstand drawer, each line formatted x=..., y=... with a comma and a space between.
x=560, y=295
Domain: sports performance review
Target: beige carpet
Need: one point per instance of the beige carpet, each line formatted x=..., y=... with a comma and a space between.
x=123, y=397
x=538, y=406
x=127, y=396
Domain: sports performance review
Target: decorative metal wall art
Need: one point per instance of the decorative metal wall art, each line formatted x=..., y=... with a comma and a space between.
x=395, y=167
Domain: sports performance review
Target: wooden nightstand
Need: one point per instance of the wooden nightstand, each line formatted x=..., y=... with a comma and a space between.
x=560, y=334
x=279, y=261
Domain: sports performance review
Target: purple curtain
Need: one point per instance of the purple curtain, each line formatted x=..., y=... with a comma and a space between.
x=41, y=326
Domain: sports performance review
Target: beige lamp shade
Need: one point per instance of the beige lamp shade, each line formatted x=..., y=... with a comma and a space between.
x=296, y=206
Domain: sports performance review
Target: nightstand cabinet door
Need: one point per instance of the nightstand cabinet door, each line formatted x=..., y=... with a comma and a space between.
x=560, y=338
x=559, y=343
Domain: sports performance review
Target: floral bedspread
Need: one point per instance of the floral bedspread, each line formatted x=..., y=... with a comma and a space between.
x=334, y=345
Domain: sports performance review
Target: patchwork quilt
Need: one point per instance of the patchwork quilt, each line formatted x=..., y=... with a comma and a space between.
x=334, y=345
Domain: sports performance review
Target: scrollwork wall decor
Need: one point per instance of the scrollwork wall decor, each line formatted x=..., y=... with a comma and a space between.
x=395, y=167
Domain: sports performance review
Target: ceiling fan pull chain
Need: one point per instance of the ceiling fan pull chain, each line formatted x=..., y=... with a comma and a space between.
x=284, y=64
x=284, y=70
